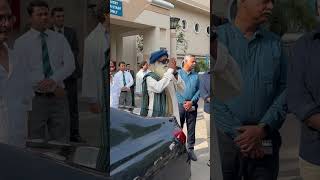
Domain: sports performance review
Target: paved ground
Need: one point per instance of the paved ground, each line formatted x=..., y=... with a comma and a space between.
x=199, y=169
x=289, y=164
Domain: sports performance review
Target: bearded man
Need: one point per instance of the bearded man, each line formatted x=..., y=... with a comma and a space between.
x=159, y=87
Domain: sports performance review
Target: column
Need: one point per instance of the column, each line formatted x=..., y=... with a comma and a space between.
x=173, y=43
x=151, y=42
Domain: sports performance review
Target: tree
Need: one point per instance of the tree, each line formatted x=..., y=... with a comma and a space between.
x=140, y=43
x=182, y=43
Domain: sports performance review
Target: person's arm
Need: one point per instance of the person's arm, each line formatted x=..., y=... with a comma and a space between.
x=68, y=62
x=138, y=83
x=204, y=92
x=130, y=83
x=300, y=100
x=277, y=112
x=196, y=96
x=89, y=79
x=159, y=86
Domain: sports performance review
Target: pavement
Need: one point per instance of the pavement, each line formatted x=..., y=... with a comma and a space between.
x=289, y=159
x=199, y=169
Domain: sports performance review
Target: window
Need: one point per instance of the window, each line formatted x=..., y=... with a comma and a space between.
x=184, y=24
x=197, y=28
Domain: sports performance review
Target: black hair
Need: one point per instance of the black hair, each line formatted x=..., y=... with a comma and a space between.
x=36, y=3
x=122, y=62
x=103, y=9
x=56, y=9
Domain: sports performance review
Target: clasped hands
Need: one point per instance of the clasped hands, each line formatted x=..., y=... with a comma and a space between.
x=249, y=141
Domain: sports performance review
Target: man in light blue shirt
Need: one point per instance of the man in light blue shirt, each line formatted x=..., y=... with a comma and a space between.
x=257, y=114
x=188, y=100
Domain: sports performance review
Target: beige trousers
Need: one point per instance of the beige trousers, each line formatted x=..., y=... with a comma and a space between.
x=309, y=171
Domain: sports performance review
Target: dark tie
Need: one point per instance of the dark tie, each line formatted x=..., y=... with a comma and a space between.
x=124, y=79
x=47, y=70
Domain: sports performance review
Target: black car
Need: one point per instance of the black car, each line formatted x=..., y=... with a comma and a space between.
x=140, y=149
x=147, y=148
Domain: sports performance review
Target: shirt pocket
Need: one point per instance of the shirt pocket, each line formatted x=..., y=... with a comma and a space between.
x=268, y=83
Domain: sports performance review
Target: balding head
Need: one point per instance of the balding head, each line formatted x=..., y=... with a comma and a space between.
x=189, y=62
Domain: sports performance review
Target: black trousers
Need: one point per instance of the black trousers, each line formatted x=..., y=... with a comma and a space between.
x=236, y=167
x=132, y=95
x=189, y=117
x=71, y=86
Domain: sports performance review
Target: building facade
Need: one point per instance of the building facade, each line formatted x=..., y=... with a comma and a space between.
x=150, y=19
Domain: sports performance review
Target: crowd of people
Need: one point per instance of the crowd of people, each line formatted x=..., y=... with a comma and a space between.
x=164, y=90
x=39, y=75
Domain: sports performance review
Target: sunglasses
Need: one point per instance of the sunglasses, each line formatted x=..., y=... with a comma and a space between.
x=164, y=61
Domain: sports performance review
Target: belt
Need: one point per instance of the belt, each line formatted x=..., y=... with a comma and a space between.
x=45, y=94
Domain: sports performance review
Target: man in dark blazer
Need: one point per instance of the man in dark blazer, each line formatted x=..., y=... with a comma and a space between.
x=71, y=84
x=132, y=88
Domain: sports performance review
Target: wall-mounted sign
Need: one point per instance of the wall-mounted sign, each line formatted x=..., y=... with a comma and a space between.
x=116, y=7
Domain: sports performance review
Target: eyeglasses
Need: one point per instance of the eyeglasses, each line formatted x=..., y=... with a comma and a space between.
x=6, y=18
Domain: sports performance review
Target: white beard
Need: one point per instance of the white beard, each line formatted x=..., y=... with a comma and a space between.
x=159, y=69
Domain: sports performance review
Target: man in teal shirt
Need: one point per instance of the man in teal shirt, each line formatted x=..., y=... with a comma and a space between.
x=188, y=101
x=248, y=124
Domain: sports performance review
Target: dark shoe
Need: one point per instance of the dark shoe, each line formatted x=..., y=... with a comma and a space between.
x=192, y=155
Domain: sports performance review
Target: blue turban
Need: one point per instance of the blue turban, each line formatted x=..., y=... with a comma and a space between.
x=156, y=55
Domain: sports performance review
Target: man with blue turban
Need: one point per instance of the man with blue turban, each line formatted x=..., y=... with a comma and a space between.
x=159, y=87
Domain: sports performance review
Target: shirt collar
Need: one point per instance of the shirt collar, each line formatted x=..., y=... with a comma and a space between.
x=187, y=73
x=36, y=33
x=257, y=34
x=57, y=29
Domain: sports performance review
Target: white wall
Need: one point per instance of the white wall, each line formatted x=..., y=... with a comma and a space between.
x=198, y=43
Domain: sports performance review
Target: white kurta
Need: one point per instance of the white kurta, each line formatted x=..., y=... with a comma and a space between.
x=94, y=59
x=115, y=90
x=139, y=80
x=15, y=101
x=169, y=84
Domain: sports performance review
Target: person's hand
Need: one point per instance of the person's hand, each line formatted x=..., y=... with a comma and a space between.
x=124, y=88
x=187, y=105
x=250, y=136
x=59, y=92
x=314, y=121
x=47, y=84
x=94, y=108
x=172, y=64
x=256, y=153
x=208, y=99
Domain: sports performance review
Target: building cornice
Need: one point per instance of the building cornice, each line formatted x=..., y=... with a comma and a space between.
x=192, y=4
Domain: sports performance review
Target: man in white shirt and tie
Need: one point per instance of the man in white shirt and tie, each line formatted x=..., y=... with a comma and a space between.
x=15, y=88
x=126, y=81
x=49, y=61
